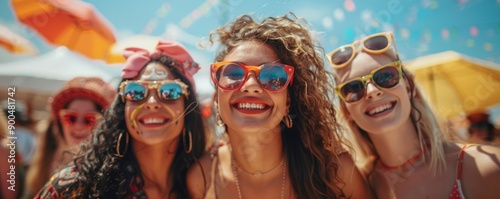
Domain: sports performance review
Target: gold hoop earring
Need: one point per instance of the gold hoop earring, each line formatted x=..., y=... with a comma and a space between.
x=288, y=121
x=119, y=141
x=190, y=148
x=219, y=120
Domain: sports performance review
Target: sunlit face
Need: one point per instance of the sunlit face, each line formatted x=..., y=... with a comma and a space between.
x=154, y=120
x=252, y=109
x=379, y=110
x=78, y=120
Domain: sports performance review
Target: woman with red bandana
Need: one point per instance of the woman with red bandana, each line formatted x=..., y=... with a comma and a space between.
x=272, y=98
x=150, y=135
x=403, y=148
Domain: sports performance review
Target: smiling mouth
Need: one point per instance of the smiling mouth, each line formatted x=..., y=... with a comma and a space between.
x=251, y=106
x=154, y=121
x=79, y=136
x=380, y=109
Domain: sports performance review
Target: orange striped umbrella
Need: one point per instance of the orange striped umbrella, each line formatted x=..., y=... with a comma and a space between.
x=71, y=23
x=15, y=43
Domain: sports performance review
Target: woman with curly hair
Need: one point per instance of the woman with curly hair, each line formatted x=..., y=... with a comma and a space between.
x=150, y=135
x=401, y=143
x=74, y=111
x=272, y=97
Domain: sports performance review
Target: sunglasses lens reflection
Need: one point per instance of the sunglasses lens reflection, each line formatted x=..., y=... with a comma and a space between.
x=353, y=91
x=342, y=55
x=387, y=77
x=170, y=91
x=134, y=92
x=230, y=76
x=273, y=77
x=377, y=43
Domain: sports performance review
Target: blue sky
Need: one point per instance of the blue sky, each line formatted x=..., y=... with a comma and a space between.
x=421, y=27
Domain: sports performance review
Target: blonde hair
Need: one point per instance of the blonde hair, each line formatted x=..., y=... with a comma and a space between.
x=429, y=131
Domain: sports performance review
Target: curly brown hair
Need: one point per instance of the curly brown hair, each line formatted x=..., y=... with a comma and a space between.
x=103, y=174
x=311, y=143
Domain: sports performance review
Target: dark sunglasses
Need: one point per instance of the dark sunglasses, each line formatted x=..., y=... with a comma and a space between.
x=272, y=77
x=70, y=117
x=374, y=44
x=384, y=77
x=138, y=90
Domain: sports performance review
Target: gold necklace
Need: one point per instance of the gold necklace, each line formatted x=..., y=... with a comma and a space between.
x=283, y=162
x=258, y=173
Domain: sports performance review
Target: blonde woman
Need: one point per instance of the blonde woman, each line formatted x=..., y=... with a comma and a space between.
x=400, y=138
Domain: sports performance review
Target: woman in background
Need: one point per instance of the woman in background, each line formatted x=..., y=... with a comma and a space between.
x=74, y=111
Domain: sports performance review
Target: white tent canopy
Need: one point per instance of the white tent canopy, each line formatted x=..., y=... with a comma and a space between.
x=47, y=73
x=36, y=78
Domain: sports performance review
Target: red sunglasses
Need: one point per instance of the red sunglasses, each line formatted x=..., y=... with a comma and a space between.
x=70, y=117
x=272, y=77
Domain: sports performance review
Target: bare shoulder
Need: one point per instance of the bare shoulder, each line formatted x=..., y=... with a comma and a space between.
x=356, y=185
x=484, y=158
x=481, y=171
x=198, y=176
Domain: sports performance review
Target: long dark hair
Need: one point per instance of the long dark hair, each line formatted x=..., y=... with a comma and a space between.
x=104, y=175
x=49, y=141
x=310, y=145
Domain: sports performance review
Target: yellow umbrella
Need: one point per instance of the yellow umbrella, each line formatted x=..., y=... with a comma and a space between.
x=15, y=43
x=457, y=84
x=146, y=42
x=72, y=23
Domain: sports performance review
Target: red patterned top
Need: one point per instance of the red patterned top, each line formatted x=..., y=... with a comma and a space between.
x=457, y=192
x=55, y=188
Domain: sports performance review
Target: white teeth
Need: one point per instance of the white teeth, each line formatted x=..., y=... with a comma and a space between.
x=380, y=109
x=153, y=120
x=251, y=106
